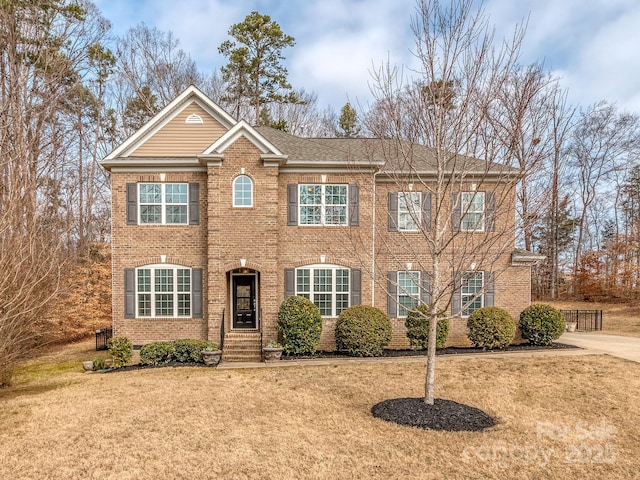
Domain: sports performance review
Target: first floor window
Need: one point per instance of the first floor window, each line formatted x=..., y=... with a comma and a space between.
x=408, y=292
x=326, y=286
x=163, y=203
x=163, y=291
x=322, y=204
x=471, y=297
x=472, y=208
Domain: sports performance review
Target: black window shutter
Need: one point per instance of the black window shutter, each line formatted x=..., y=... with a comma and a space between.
x=354, y=205
x=356, y=286
x=456, y=299
x=194, y=204
x=456, y=210
x=392, y=294
x=196, y=293
x=292, y=204
x=129, y=293
x=426, y=211
x=490, y=211
x=425, y=288
x=289, y=282
x=393, y=212
x=132, y=204
x=489, y=289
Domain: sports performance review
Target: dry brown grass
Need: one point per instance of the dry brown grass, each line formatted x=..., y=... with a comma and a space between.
x=315, y=421
x=618, y=318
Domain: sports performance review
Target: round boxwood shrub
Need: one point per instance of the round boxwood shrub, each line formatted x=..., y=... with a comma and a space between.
x=541, y=324
x=300, y=325
x=362, y=331
x=491, y=327
x=417, y=324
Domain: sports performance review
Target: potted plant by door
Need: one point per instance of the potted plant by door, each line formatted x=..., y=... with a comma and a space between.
x=211, y=355
x=272, y=352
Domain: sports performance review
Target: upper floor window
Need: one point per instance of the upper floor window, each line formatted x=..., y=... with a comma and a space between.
x=326, y=286
x=322, y=204
x=163, y=203
x=472, y=206
x=163, y=291
x=409, y=211
x=243, y=191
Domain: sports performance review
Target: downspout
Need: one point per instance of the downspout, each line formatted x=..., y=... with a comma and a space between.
x=373, y=241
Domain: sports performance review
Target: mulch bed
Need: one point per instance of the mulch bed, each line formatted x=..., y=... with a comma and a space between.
x=524, y=347
x=442, y=415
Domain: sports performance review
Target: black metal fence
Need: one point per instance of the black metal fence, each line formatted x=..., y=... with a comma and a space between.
x=102, y=338
x=586, y=320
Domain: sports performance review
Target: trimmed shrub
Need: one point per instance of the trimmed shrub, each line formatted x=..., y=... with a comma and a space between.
x=363, y=331
x=541, y=324
x=300, y=325
x=189, y=350
x=491, y=327
x=156, y=353
x=121, y=350
x=417, y=324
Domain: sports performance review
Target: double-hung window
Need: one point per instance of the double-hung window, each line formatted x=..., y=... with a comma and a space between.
x=326, y=286
x=322, y=204
x=472, y=206
x=163, y=291
x=408, y=292
x=409, y=211
x=471, y=297
x=163, y=203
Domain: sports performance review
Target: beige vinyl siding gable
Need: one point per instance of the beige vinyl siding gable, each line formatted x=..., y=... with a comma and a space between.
x=180, y=139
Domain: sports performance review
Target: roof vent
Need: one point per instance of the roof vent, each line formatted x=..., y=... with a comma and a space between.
x=194, y=119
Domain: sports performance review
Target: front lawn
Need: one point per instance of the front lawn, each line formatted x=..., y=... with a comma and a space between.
x=557, y=417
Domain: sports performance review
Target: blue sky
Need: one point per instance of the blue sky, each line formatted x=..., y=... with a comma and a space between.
x=591, y=44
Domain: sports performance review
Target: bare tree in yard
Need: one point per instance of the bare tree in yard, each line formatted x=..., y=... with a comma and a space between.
x=442, y=146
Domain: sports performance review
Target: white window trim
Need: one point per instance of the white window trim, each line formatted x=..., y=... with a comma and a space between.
x=475, y=297
x=401, y=292
x=163, y=204
x=233, y=193
x=416, y=216
x=333, y=292
x=464, y=212
x=152, y=293
x=323, y=206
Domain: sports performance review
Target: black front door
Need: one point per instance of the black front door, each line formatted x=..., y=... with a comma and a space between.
x=244, y=301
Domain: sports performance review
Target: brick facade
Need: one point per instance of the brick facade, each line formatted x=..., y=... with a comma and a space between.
x=257, y=242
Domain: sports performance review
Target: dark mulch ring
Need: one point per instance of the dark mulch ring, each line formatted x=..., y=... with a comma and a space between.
x=444, y=415
x=523, y=347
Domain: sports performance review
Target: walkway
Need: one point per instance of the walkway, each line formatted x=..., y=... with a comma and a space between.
x=614, y=345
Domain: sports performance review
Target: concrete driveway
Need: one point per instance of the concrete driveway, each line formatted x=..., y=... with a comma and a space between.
x=614, y=345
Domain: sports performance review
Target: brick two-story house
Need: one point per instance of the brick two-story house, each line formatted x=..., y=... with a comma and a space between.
x=215, y=222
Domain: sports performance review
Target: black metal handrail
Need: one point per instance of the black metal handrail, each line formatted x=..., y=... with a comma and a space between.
x=222, y=331
x=102, y=338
